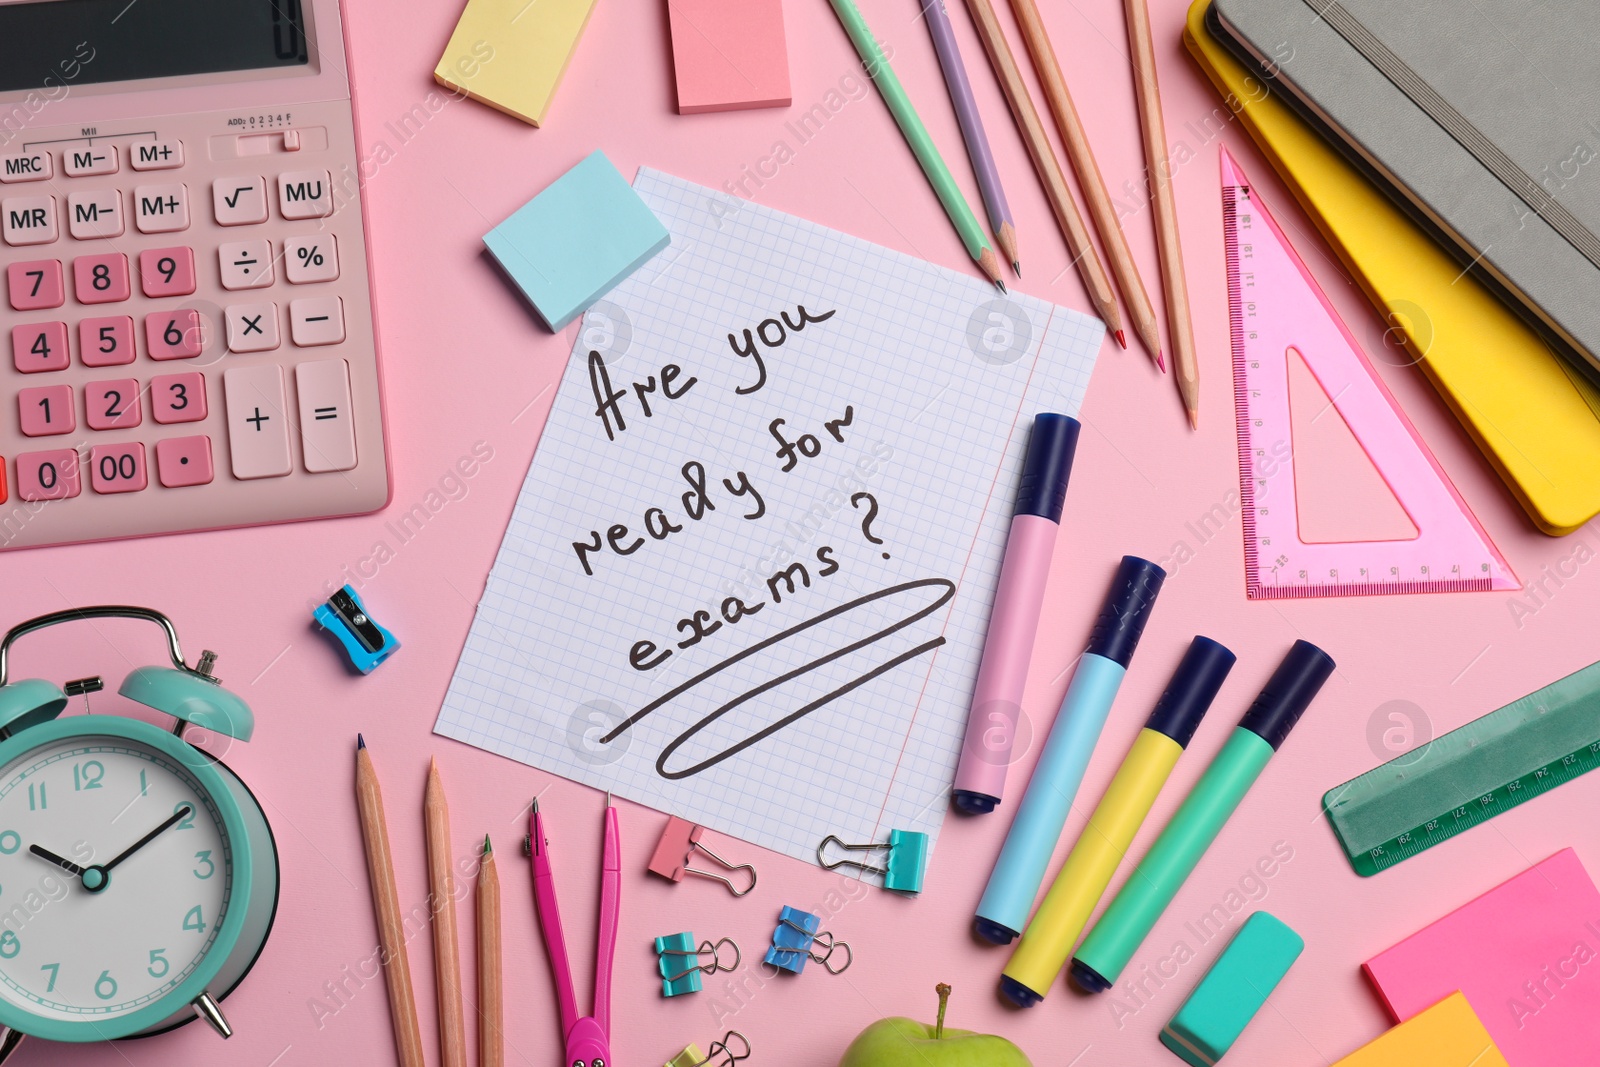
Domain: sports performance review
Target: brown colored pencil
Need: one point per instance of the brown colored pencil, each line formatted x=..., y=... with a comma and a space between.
x=446, y=945
x=491, y=999
x=1154, y=129
x=1049, y=170
x=386, y=907
x=1140, y=311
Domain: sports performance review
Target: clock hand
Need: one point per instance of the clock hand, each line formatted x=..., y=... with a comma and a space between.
x=182, y=813
x=64, y=864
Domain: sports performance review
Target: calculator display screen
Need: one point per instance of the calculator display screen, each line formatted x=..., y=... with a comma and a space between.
x=50, y=44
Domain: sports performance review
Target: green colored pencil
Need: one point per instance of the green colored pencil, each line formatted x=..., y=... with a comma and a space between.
x=916, y=135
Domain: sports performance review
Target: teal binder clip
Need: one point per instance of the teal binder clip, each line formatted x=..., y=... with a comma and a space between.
x=797, y=939
x=680, y=964
x=908, y=860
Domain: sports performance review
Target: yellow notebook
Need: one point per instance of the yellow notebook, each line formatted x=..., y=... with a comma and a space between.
x=510, y=54
x=1449, y=1034
x=1536, y=420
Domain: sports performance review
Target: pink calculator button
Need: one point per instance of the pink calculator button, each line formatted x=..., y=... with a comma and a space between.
x=36, y=284
x=156, y=155
x=174, y=334
x=167, y=271
x=178, y=397
x=106, y=342
x=161, y=208
x=46, y=410
x=28, y=220
x=100, y=279
x=49, y=475
x=112, y=405
x=93, y=159
x=182, y=461
x=117, y=468
x=40, y=346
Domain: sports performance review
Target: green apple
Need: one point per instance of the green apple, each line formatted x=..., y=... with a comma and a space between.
x=899, y=1042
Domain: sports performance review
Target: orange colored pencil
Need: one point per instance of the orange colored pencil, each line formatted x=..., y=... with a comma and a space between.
x=491, y=998
x=1140, y=311
x=386, y=907
x=1186, y=365
x=446, y=944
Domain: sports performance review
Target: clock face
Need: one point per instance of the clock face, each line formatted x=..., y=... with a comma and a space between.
x=103, y=925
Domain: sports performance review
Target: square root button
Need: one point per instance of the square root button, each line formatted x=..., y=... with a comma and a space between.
x=258, y=429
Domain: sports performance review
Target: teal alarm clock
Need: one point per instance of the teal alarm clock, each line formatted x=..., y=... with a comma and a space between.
x=138, y=875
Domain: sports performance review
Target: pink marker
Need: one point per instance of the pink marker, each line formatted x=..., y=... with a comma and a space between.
x=587, y=1038
x=1014, y=620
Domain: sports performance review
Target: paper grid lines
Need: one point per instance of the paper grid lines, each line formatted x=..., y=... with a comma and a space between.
x=941, y=376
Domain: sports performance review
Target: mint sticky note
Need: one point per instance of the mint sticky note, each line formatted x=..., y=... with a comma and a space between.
x=1231, y=993
x=572, y=244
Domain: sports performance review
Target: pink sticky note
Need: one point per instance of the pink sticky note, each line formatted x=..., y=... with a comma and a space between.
x=1527, y=956
x=729, y=54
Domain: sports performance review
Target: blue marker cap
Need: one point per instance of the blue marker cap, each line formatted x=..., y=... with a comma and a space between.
x=1288, y=693
x=1193, y=687
x=1133, y=593
x=1047, y=465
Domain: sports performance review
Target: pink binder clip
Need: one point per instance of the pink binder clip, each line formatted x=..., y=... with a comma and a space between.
x=676, y=848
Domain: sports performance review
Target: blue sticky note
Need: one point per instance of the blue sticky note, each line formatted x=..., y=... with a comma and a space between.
x=572, y=244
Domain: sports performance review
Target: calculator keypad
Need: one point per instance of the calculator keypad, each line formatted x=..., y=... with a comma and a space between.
x=191, y=343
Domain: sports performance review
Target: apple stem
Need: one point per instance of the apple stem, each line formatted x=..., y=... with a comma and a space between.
x=943, y=989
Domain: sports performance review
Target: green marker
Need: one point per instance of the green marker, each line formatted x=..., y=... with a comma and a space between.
x=1116, y=937
x=916, y=135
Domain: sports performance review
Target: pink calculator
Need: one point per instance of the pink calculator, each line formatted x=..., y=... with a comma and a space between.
x=187, y=330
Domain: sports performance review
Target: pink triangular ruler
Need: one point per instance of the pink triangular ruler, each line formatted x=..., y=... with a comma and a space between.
x=1274, y=304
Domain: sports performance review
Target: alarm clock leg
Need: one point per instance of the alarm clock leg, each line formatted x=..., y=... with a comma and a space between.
x=9, y=1043
x=208, y=1010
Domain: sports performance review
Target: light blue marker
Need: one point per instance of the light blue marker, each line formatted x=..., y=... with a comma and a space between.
x=1032, y=839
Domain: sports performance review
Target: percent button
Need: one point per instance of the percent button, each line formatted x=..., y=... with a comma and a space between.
x=313, y=258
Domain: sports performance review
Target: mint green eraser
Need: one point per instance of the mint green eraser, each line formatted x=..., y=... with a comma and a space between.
x=572, y=244
x=1231, y=993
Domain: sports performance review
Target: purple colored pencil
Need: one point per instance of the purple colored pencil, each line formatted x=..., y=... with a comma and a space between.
x=955, y=79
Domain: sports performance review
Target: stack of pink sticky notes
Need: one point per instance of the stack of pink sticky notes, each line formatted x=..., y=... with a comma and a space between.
x=729, y=54
x=1527, y=956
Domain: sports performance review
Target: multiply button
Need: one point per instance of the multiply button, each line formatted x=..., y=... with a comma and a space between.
x=26, y=167
x=239, y=201
x=252, y=327
x=96, y=214
x=258, y=431
x=95, y=159
x=157, y=155
x=161, y=208
x=28, y=220
x=245, y=264
x=305, y=194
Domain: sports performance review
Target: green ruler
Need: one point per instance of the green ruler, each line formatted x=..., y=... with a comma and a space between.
x=1470, y=775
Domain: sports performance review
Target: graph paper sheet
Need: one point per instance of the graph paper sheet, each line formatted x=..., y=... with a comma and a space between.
x=748, y=576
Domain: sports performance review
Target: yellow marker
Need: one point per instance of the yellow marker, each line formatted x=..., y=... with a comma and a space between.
x=511, y=54
x=1050, y=937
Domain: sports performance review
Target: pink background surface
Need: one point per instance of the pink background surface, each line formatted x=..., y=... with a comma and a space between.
x=466, y=362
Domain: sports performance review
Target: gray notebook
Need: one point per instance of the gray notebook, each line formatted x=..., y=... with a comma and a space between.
x=1481, y=117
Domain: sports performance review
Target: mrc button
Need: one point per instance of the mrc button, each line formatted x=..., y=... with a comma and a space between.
x=26, y=167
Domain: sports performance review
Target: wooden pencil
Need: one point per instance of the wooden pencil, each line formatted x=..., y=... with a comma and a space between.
x=1141, y=313
x=386, y=907
x=1043, y=155
x=1185, y=364
x=446, y=945
x=491, y=999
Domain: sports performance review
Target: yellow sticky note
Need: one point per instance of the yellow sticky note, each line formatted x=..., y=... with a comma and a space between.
x=510, y=54
x=1449, y=1034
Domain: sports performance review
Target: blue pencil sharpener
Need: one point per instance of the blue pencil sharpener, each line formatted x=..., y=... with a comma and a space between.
x=365, y=642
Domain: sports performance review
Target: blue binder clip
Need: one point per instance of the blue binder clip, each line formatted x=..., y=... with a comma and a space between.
x=907, y=862
x=797, y=940
x=680, y=964
x=365, y=642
